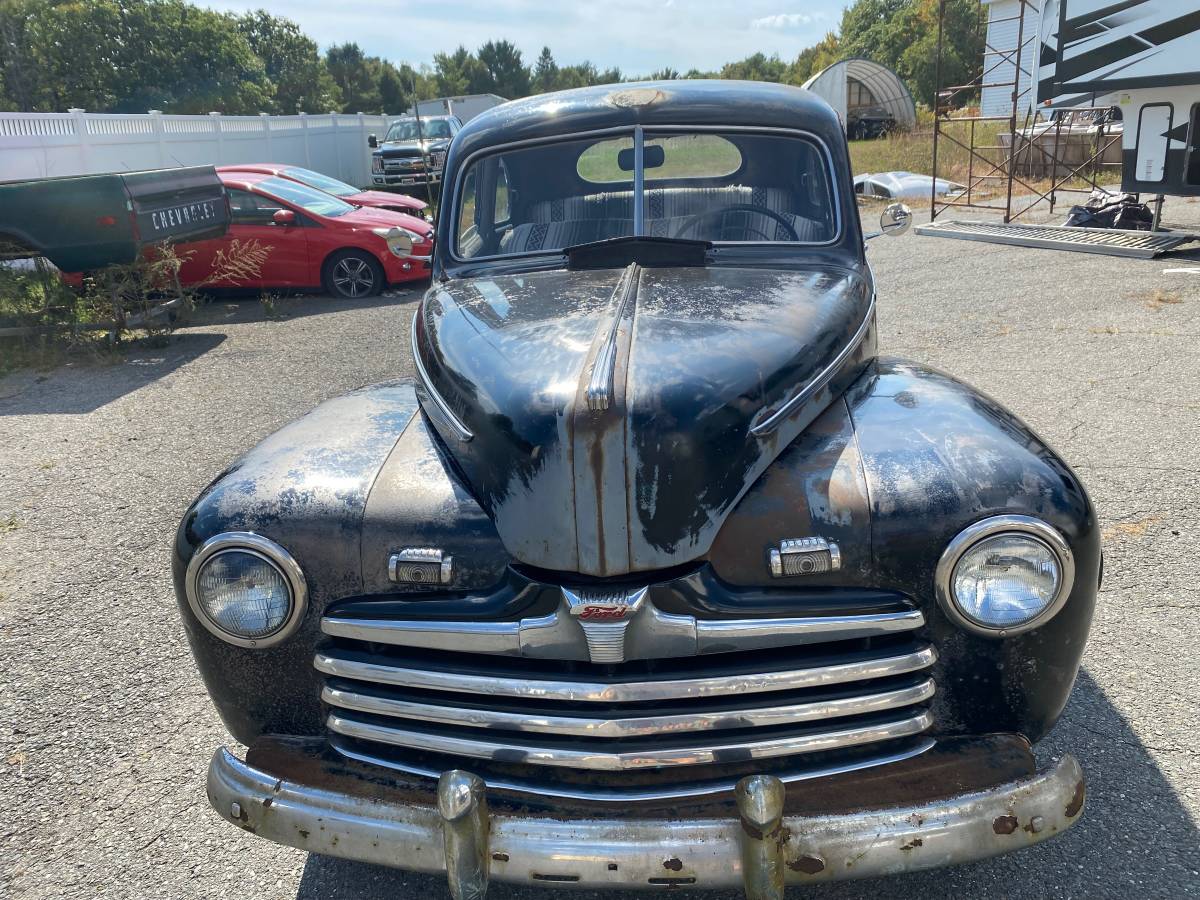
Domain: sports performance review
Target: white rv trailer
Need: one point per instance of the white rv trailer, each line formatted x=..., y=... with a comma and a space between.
x=465, y=107
x=1142, y=56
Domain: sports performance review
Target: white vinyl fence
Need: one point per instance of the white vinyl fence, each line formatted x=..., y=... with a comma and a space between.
x=41, y=145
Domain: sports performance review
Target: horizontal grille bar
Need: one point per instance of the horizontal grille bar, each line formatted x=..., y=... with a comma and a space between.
x=598, y=760
x=625, y=793
x=551, y=636
x=762, y=717
x=626, y=691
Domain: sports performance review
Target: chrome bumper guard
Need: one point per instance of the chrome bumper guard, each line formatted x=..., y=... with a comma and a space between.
x=761, y=851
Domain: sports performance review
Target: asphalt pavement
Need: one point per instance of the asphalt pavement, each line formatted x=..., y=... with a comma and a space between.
x=105, y=727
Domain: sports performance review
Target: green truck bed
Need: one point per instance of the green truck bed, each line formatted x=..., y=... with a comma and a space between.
x=88, y=221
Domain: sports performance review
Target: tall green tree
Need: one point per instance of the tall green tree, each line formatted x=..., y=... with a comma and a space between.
x=460, y=72
x=357, y=77
x=758, y=67
x=545, y=72
x=507, y=75
x=902, y=34
x=302, y=81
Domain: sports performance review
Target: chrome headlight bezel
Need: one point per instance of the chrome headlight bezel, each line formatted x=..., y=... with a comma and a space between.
x=271, y=553
x=965, y=540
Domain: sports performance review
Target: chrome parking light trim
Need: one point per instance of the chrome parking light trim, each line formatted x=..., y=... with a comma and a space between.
x=634, y=726
x=627, y=691
x=271, y=553
x=1044, y=533
x=595, y=760
x=630, y=851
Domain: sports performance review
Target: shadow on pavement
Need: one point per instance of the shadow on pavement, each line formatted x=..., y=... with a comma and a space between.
x=1135, y=838
x=84, y=386
x=242, y=307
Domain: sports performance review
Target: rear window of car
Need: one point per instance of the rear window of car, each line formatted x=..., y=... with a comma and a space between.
x=683, y=156
x=309, y=199
x=321, y=182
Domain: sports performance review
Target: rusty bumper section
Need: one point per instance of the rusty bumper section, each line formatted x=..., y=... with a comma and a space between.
x=757, y=847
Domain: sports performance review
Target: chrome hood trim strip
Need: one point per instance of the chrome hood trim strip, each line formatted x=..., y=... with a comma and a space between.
x=773, y=419
x=600, y=385
x=438, y=407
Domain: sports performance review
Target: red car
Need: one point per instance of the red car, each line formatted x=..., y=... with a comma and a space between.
x=316, y=240
x=401, y=203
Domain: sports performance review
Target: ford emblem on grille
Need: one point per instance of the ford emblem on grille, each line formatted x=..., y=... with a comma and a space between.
x=604, y=614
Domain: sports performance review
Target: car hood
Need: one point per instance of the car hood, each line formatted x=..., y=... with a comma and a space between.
x=410, y=148
x=609, y=420
x=385, y=199
x=374, y=217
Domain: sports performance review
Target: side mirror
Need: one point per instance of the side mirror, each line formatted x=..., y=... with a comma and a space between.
x=372, y=141
x=895, y=220
x=283, y=217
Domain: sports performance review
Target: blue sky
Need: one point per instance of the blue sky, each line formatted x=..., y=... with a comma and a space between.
x=636, y=35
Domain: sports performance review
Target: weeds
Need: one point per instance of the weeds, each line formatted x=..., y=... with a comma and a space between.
x=46, y=317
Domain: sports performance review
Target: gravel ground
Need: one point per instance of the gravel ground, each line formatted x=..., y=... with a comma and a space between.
x=105, y=729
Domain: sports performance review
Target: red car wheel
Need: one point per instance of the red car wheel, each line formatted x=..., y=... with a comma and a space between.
x=353, y=274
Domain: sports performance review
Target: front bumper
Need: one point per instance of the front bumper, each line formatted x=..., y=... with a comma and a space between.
x=754, y=845
x=416, y=179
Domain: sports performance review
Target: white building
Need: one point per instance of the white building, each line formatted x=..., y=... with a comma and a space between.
x=999, y=62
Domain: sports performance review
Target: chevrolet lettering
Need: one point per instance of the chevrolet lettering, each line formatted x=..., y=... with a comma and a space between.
x=657, y=574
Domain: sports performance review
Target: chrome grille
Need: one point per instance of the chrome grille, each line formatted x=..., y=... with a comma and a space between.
x=683, y=725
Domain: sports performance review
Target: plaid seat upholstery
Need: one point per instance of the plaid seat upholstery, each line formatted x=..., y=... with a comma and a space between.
x=556, y=224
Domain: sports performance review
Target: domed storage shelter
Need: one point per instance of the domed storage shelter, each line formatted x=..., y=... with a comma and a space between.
x=871, y=98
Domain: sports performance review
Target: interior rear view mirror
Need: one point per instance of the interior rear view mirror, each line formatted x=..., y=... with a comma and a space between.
x=653, y=156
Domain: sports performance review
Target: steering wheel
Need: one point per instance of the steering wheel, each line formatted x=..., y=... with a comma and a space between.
x=694, y=220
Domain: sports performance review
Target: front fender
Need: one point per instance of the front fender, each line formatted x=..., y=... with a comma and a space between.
x=938, y=455
x=891, y=473
x=306, y=488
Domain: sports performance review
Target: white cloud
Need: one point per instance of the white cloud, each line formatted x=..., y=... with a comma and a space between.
x=782, y=21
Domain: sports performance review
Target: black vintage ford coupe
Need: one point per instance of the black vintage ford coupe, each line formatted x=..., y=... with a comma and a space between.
x=656, y=575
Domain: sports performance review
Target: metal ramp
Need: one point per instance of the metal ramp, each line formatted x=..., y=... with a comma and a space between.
x=1109, y=241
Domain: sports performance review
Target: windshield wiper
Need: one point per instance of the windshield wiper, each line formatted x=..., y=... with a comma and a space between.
x=644, y=250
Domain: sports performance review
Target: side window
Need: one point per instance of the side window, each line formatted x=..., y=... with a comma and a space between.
x=252, y=209
x=469, y=242
x=502, y=211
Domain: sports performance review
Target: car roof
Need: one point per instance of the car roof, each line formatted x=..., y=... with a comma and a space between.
x=701, y=102
x=242, y=178
x=263, y=168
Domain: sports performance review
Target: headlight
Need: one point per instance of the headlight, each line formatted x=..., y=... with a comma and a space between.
x=1005, y=575
x=377, y=165
x=246, y=589
x=394, y=237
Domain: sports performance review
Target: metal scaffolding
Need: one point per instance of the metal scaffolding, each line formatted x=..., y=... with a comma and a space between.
x=1029, y=148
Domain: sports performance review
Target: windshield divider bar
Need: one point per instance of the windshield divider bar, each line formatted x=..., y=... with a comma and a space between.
x=639, y=180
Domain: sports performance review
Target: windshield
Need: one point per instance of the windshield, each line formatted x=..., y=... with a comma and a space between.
x=407, y=130
x=722, y=187
x=316, y=202
x=321, y=182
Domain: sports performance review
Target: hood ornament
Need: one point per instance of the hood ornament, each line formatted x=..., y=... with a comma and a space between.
x=604, y=615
